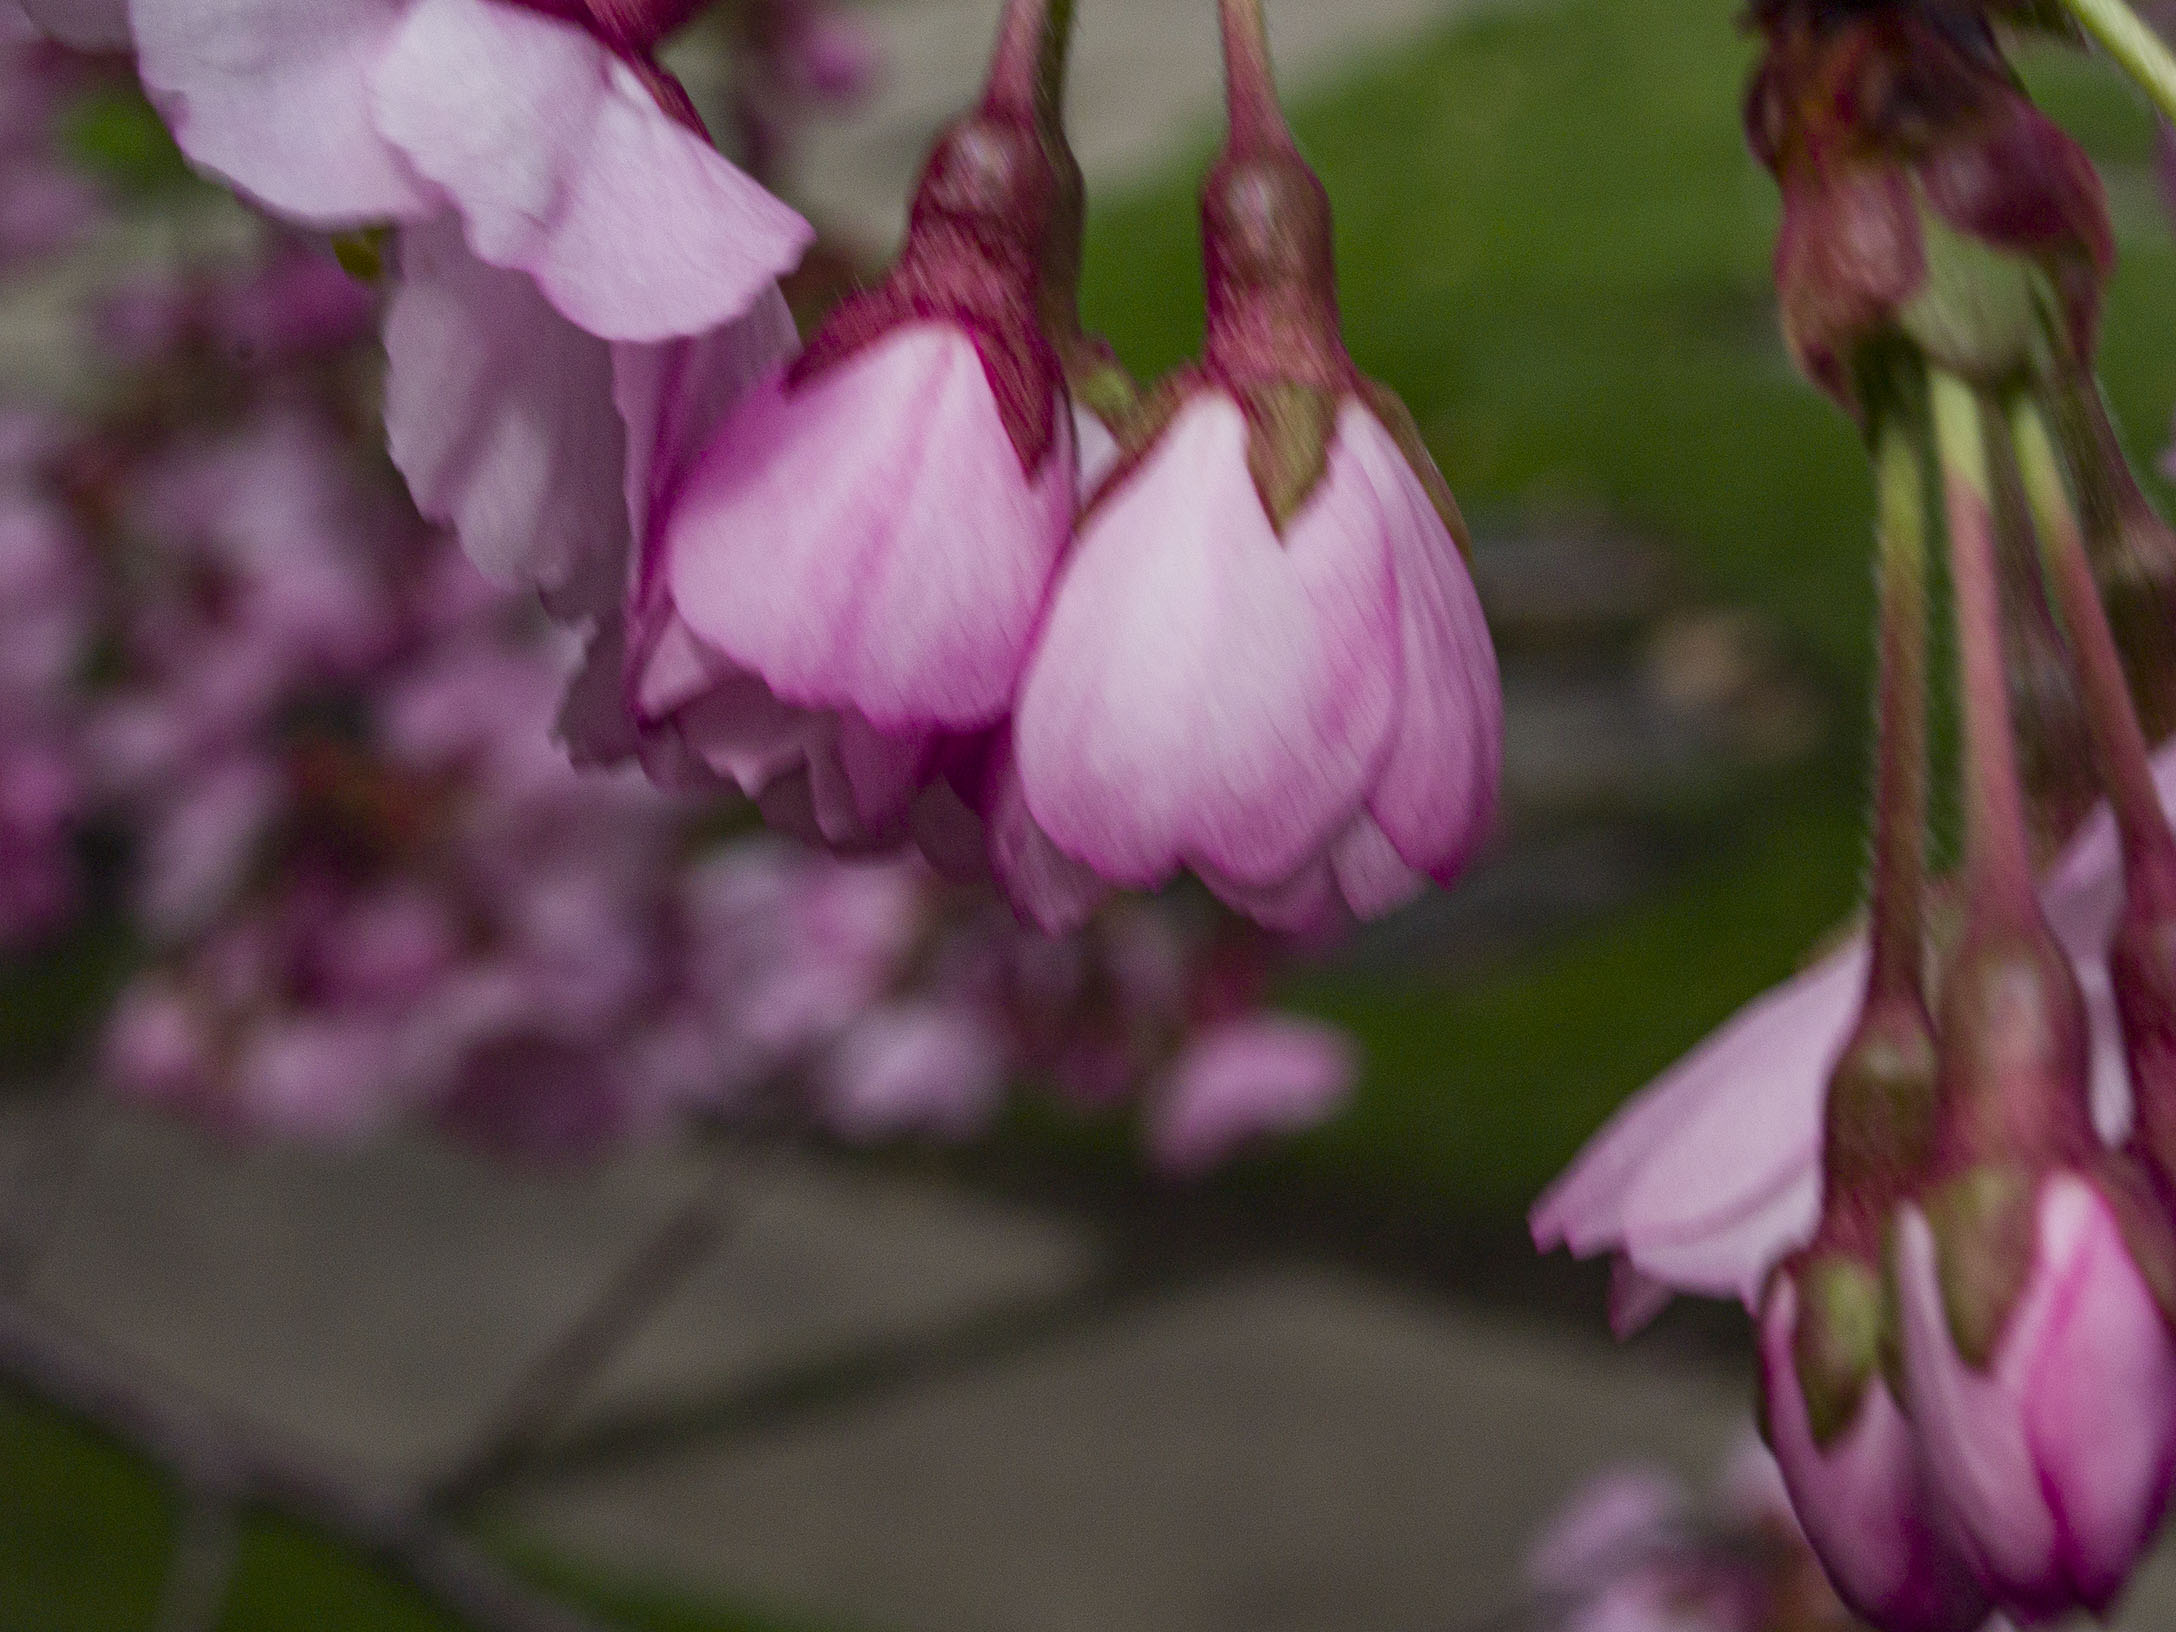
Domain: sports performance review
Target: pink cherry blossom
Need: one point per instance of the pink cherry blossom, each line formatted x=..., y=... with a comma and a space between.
x=1303, y=717
x=1707, y=1178
x=2057, y=1458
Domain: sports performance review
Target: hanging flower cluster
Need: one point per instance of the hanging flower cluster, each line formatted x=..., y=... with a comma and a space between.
x=366, y=884
x=1938, y=1165
x=904, y=587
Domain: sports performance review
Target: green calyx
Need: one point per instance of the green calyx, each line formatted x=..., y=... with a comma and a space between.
x=362, y=253
x=1980, y=313
x=1838, y=1341
x=1290, y=427
x=1984, y=1233
x=1880, y=1117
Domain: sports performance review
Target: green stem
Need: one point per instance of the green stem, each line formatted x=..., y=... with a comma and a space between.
x=1900, y=764
x=2119, y=741
x=1997, y=850
x=2136, y=48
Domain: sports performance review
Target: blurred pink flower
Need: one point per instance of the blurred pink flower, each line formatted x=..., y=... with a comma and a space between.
x=40, y=803
x=919, y=1067
x=1244, y=1079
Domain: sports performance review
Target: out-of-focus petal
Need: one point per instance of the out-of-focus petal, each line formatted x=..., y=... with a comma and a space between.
x=500, y=414
x=274, y=96
x=564, y=167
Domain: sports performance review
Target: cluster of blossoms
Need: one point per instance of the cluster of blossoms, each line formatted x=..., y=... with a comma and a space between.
x=942, y=578
x=1939, y=1165
x=363, y=883
x=1633, y=1552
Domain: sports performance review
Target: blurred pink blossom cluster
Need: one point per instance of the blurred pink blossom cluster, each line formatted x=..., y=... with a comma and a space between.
x=942, y=579
x=365, y=884
x=46, y=204
x=45, y=635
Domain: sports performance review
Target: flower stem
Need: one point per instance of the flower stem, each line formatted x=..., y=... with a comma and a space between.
x=1027, y=68
x=1997, y=851
x=2137, y=49
x=1900, y=762
x=1250, y=83
x=2119, y=741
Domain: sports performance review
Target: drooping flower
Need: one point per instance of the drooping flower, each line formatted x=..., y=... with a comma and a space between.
x=1264, y=659
x=852, y=560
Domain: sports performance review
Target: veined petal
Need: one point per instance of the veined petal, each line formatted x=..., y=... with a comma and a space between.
x=1204, y=691
x=564, y=167
x=1972, y=1429
x=868, y=540
x=1437, y=792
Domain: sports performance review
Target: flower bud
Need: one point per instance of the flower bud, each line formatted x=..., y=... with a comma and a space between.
x=2048, y=1416
x=1848, y=1455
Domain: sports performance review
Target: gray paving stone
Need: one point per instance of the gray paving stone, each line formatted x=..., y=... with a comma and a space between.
x=1293, y=1449
x=378, y=1304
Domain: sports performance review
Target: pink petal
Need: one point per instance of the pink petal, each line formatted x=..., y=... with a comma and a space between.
x=564, y=167
x=1045, y=886
x=1972, y=1429
x=674, y=395
x=1099, y=449
x=868, y=540
x=1262, y=1074
x=1722, y=1151
x=2099, y=1397
x=1371, y=875
x=1204, y=691
x=274, y=96
x=499, y=412
x=1437, y=794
